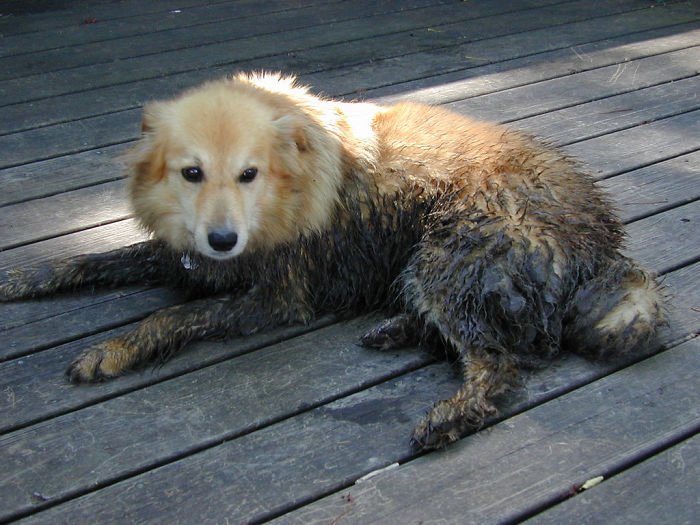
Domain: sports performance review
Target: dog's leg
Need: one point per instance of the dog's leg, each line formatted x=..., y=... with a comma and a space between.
x=486, y=375
x=165, y=332
x=138, y=263
x=492, y=295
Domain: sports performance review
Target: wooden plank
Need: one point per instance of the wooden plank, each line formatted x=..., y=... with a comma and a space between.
x=343, y=43
x=25, y=19
x=533, y=458
x=479, y=68
x=683, y=289
x=177, y=417
x=73, y=137
x=640, y=146
x=505, y=105
x=137, y=36
x=616, y=113
x=659, y=489
x=99, y=239
x=638, y=194
x=668, y=240
x=170, y=23
x=97, y=316
x=643, y=192
x=134, y=119
x=70, y=107
x=34, y=388
x=17, y=314
x=564, y=92
x=265, y=473
x=94, y=240
x=71, y=211
x=49, y=177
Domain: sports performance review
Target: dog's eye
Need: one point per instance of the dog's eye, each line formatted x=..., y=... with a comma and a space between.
x=193, y=174
x=249, y=174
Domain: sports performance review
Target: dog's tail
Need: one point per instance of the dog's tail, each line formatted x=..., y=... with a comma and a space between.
x=615, y=313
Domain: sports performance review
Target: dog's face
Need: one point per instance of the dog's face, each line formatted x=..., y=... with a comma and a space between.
x=220, y=171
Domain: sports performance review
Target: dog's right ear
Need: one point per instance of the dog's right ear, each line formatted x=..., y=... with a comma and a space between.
x=292, y=130
x=152, y=114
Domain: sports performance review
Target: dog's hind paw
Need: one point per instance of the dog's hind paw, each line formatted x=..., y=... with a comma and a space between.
x=448, y=421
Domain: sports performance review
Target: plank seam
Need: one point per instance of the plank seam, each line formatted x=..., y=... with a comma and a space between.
x=346, y=41
x=490, y=422
x=320, y=323
x=614, y=469
x=398, y=9
x=126, y=17
x=208, y=444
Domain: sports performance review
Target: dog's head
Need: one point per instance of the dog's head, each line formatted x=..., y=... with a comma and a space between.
x=235, y=165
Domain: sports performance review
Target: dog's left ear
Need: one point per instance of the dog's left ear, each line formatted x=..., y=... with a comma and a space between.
x=291, y=129
x=152, y=112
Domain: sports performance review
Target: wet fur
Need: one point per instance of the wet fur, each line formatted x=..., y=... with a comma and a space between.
x=465, y=232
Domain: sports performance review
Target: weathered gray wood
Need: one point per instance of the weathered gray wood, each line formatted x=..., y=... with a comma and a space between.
x=168, y=22
x=319, y=448
x=452, y=75
x=535, y=457
x=36, y=382
x=565, y=92
x=91, y=318
x=661, y=187
x=668, y=240
x=499, y=106
x=38, y=389
x=98, y=239
x=615, y=113
x=34, y=387
x=137, y=36
x=310, y=49
x=291, y=463
x=37, y=19
x=683, y=290
x=280, y=451
x=71, y=211
x=72, y=137
x=640, y=146
x=53, y=172
x=49, y=177
x=23, y=312
x=649, y=190
x=191, y=60
x=187, y=413
x=659, y=490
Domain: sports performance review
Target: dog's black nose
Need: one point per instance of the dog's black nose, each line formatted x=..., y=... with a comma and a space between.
x=222, y=240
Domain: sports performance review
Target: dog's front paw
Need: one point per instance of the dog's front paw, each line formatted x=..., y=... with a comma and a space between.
x=101, y=362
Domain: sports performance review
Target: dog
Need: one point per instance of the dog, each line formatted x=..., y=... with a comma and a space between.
x=272, y=206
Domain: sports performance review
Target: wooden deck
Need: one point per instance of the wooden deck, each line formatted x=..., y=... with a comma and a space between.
x=285, y=426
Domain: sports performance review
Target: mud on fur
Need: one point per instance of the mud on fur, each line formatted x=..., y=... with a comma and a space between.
x=285, y=206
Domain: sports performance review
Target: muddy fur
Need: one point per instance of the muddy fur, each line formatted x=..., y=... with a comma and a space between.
x=464, y=232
